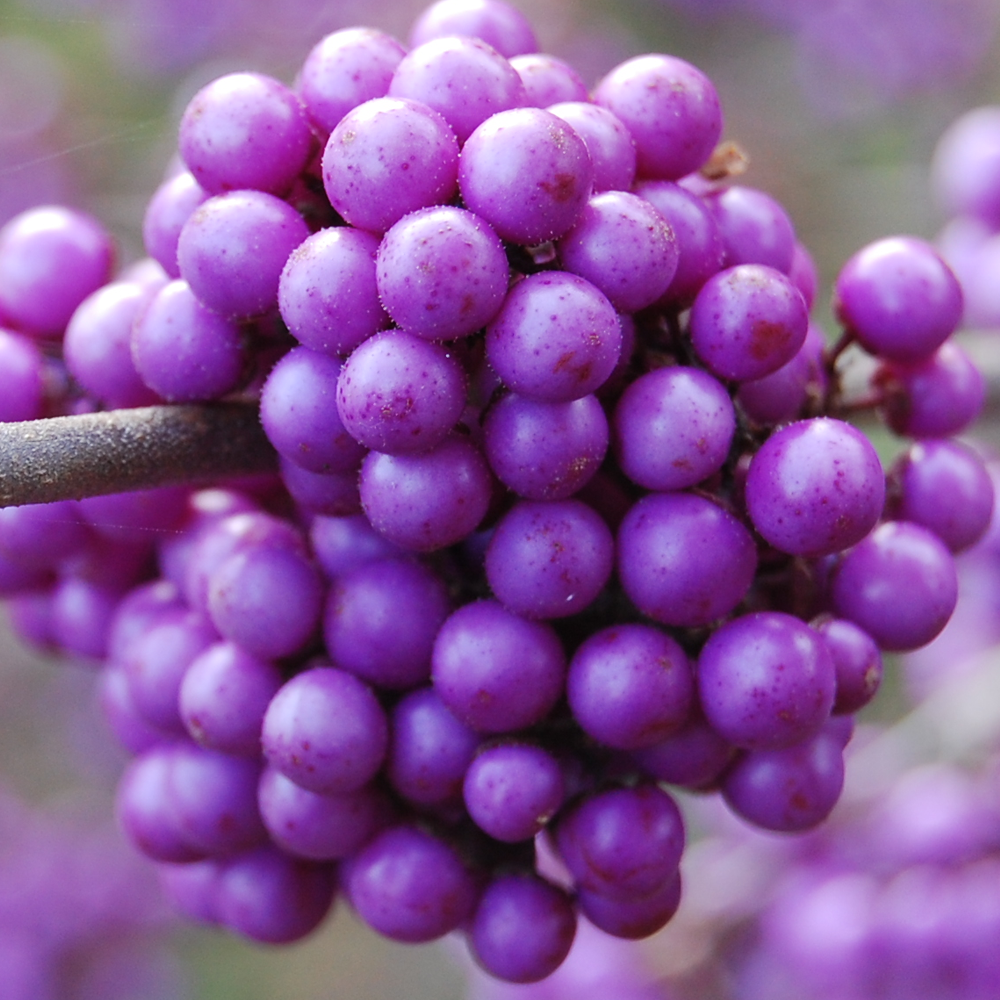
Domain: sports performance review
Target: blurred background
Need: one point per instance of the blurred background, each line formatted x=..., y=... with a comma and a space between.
x=839, y=104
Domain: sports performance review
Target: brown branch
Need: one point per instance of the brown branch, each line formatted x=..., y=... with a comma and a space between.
x=93, y=454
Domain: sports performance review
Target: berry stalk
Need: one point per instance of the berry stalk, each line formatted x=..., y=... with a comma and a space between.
x=94, y=454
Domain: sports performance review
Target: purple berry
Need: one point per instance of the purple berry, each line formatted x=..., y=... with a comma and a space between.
x=630, y=686
x=245, y=130
x=683, y=560
x=326, y=731
x=670, y=108
x=527, y=173
x=410, y=886
x=386, y=158
x=51, y=259
x=496, y=671
x=899, y=298
x=497, y=934
x=766, y=680
x=815, y=487
x=747, y=321
x=899, y=584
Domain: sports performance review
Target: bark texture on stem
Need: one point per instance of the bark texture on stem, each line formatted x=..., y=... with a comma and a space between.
x=93, y=454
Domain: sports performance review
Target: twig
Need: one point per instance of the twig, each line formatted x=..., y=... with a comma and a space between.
x=93, y=454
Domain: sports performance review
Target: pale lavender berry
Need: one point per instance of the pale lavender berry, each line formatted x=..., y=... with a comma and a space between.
x=146, y=272
x=496, y=671
x=131, y=517
x=815, y=487
x=245, y=130
x=512, y=790
x=624, y=246
x=693, y=757
x=213, y=797
x=233, y=249
x=134, y=733
x=184, y=351
x=342, y=544
x=622, y=843
x=965, y=169
x=556, y=338
x=700, y=250
x=936, y=397
x=223, y=696
x=496, y=22
x=671, y=109
x=143, y=810
x=398, y=393
x=318, y=826
x=343, y=70
x=23, y=367
x=386, y=158
x=81, y=612
x=549, y=559
x=945, y=486
x=548, y=80
x=527, y=173
x=270, y=897
x=326, y=731
x=169, y=208
x=429, y=500
x=333, y=494
x=97, y=346
x=51, y=259
x=755, y=229
x=42, y=535
x=804, y=274
x=464, y=79
x=783, y=395
x=611, y=148
x=410, y=886
x=545, y=451
x=508, y=905
x=788, y=789
x=632, y=919
x=266, y=598
x=442, y=273
x=217, y=538
x=857, y=661
x=381, y=619
x=429, y=749
x=299, y=414
x=191, y=888
x=136, y=611
x=327, y=292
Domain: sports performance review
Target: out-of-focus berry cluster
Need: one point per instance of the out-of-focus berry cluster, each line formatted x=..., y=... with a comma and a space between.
x=966, y=182
x=81, y=914
x=569, y=509
x=853, y=57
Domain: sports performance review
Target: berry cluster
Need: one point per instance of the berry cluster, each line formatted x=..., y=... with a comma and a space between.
x=568, y=507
